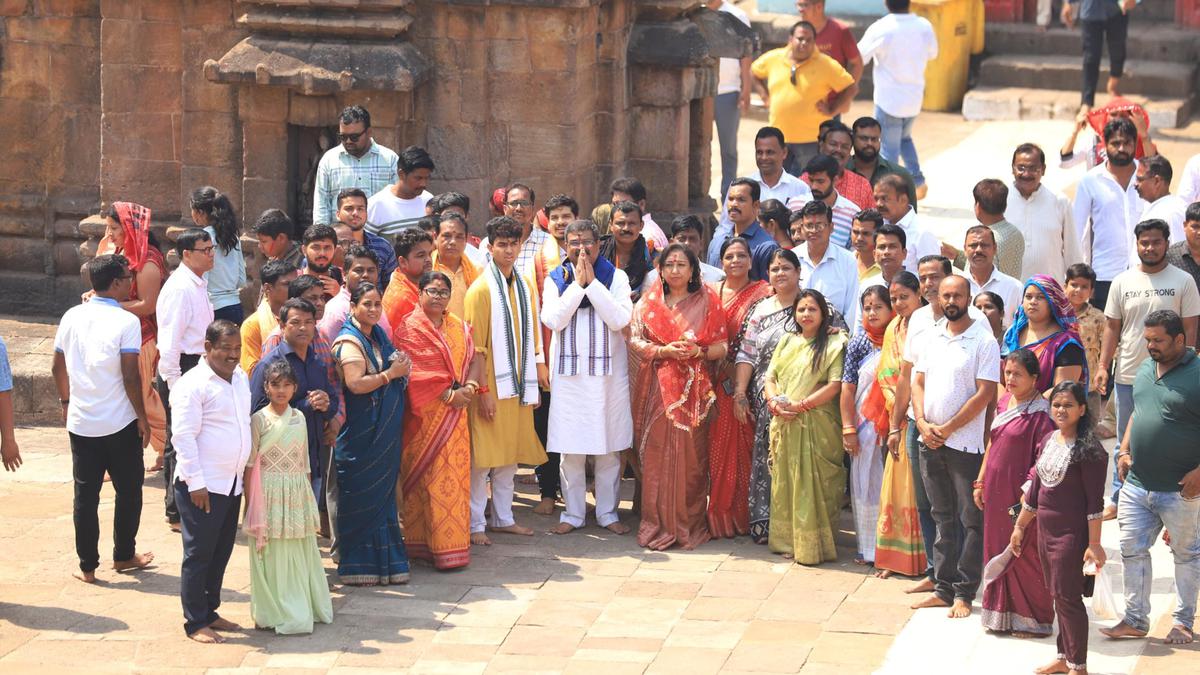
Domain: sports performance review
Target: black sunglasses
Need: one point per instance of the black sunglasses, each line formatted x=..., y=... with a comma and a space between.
x=353, y=138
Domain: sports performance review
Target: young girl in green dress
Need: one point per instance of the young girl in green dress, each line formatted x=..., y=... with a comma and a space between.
x=288, y=591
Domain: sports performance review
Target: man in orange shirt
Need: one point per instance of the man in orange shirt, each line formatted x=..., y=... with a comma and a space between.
x=414, y=251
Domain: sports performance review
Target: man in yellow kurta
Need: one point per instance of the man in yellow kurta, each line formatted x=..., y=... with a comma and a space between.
x=501, y=307
x=414, y=248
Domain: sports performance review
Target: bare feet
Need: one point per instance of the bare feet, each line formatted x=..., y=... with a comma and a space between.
x=514, y=529
x=1110, y=512
x=1055, y=666
x=1114, y=86
x=961, y=609
x=1179, y=636
x=861, y=561
x=225, y=625
x=562, y=528
x=206, y=636
x=175, y=527
x=617, y=528
x=1122, y=630
x=787, y=556
x=922, y=190
x=85, y=577
x=883, y=574
x=925, y=586
x=480, y=539
x=931, y=601
x=156, y=466
x=544, y=507
x=137, y=562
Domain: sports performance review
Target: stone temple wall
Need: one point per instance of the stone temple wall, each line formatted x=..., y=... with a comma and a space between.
x=144, y=100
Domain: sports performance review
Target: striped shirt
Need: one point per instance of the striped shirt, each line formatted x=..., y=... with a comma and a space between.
x=388, y=214
x=528, y=253
x=339, y=170
x=843, y=219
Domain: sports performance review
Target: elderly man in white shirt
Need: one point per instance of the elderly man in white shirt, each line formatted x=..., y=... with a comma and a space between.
x=586, y=304
x=183, y=311
x=1044, y=217
x=211, y=426
x=982, y=273
x=1153, y=181
x=891, y=199
x=825, y=267
x=1107, y=207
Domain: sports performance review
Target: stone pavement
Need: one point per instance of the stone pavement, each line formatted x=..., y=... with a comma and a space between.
x=586, y=602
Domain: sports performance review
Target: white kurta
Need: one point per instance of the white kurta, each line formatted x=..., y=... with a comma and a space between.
x=589, y=414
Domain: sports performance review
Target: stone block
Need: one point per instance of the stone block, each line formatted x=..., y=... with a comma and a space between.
x=530, y=108
x=262, y=104
x=152, y=183
x=148, y=136
x=214, y=12
x=25, y=71
x=75, y=76
x=463, y=24
x=200, y=95
x=660, y=86
x=158, y=11
x=54, y=30
x=313, y=111
x=260, y=194
x=666, y=181
x=65, y=255
x=700, y=141
x=124, y=88
x=505, y=22
x=24, y=254
x=264, y=150
x=211, y=139
x=89, y=8
x=13, y=7
x=508, y=56
x=136, y=42
x=459, y=151
x=659, y=133
x=80, y=162
x=475, y=107
x=552, y=52
x=120, y=9
x=995, y=104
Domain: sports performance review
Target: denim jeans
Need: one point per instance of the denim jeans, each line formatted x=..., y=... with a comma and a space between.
x=1124, y=411
x=1142, y=515
x=928, y=527
x=896, y=141
x=725, y=110
x=957, y=560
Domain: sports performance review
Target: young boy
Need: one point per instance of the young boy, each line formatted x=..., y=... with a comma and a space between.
x=274, y=231
x=1081, y=280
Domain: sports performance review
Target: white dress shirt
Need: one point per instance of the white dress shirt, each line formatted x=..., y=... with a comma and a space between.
x=210, y=429
x=729, y=79
x=1046, y=222
x=1009, y=289
x=920, y=326
x=835, y=275
x=92, y=337
x=951, y=365
x=790, y=190
x=183, y=311
x=1189, y=181
x=918, y=241
x=901, y=45
x=1105, y=215
x=1171, y=208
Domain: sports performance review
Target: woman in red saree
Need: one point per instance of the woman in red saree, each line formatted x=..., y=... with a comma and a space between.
x=435, y=468
x=733, y=430
x=127, y=231
x=678, y=327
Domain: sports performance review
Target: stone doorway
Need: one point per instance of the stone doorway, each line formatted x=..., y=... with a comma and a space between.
x=306, y=145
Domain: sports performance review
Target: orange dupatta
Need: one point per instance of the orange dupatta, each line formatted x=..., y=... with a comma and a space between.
x=882, y=397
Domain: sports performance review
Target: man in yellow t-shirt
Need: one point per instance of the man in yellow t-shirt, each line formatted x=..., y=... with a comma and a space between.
x=796, y=82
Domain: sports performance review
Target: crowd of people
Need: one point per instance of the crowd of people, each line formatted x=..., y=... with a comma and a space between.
x=822, y=348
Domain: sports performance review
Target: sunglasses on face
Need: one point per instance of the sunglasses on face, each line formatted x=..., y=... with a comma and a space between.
x=351, y=138
x=520, y=203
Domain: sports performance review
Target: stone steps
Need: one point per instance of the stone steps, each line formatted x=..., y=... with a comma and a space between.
x=1158, y=79
x=1015, y=103
x=1148, y=41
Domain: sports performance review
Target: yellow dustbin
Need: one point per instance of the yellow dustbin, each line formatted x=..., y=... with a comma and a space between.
x=977, y=27
x=946, y=76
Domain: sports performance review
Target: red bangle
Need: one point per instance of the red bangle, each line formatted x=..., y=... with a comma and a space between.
x=483, y=389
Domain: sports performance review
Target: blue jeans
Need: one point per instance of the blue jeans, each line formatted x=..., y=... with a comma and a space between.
x=896, y=141
x=1124, y=411
x=725, y=110
x=1142, y=515
x=924, y=510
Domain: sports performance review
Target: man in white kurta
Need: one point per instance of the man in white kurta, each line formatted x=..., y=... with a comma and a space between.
x=586, y=304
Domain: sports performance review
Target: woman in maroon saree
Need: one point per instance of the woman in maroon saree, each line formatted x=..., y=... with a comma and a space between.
x=1017, y=601
x=678, y=327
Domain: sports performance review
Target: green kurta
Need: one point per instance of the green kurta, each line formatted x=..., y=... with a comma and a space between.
x=807, y=476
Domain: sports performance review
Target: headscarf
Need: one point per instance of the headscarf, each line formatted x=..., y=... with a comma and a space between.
x=499, y=196
x=1100, y=116
x=135, y=223
x=1060, y=308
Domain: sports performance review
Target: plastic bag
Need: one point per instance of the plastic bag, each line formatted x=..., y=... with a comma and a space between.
x=1104, y=605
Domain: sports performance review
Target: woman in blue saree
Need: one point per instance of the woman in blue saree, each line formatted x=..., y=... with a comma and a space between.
x=367, y=453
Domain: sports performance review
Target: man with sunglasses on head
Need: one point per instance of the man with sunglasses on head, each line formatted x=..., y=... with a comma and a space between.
x=802, y=88
x=356, y=162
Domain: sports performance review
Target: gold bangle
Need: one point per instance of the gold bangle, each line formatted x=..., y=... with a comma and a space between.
x=386, y=378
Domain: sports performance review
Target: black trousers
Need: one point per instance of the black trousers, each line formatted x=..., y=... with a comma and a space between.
x=208, y=540
x=1115, y=29
x=547, y=474
x=948, y=475
x=1100, y=294
x=186, y=363
x=120, y=456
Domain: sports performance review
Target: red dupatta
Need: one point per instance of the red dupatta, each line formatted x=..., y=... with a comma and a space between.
x=135, y=224
x=686, y=385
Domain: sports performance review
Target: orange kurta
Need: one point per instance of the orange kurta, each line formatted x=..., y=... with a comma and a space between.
x=399, y=301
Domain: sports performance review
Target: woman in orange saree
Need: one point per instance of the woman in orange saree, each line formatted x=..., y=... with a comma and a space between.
x=898, y=547
x=732, y=433
x=678, y=327
x=435, y=468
